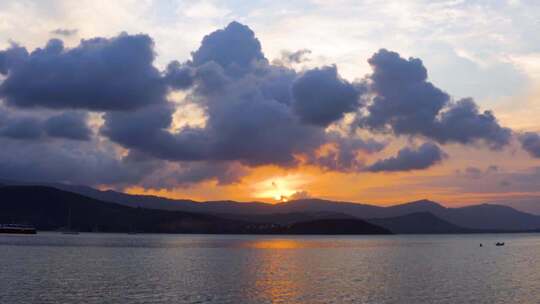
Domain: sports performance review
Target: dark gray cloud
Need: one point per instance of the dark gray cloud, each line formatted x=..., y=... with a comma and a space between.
x=409, y=159
x=322, y=97
x=73, y=162
x=463, y=123
x=64, y=32
x=530, y=142
x=405, y=103
x=90, y=163
x=256, y=112
x=249, y=128
x=179, y=76
x=67, y=125
x=184, y=174
x=404, y=100
x=235, y=48
x=249, y=117
x=99, y=74
x=70, y=125
x=12, y=57
x=344, y=153
x=22, y=128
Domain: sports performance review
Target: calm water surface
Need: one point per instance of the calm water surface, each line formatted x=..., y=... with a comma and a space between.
x=115, y=268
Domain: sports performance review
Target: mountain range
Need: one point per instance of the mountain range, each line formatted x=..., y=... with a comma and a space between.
x=422, y=216
x=483, y=216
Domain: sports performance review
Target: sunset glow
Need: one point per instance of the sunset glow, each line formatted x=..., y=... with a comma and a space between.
x=280, y=188
x=317, y=103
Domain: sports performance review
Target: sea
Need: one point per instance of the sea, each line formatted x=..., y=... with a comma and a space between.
x=154, y=268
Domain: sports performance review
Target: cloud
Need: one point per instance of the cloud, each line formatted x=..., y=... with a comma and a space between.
x=99, y=74
x=11, y=57
x=407, y=159
x=405, y=103
x=530, y=142
x=246, y=101
x=64, y=32
x=476, y=173
x=462, y=122
x=179, y=76
x=93, y=163
x=289, y=58
x=22, y=128
x=235, y=48
x=73, y=162
x=299, y=195
x=67, y=125
x=70, y=125
x=256, y=112
x=321, y=97
x=171, y=175
x=473, y=172
x=344, y=153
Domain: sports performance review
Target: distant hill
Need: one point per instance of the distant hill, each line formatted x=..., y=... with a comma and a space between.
x=484, y=217
x=333, y=226
x=419, y=223
x=156, y=202
x=48, y=208
x=286, y=218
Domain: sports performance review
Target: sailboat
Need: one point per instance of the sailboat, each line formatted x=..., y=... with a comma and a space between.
x=69, y=230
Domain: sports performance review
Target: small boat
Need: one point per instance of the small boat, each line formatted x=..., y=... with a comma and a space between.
x=499, y=244
x=17, y=229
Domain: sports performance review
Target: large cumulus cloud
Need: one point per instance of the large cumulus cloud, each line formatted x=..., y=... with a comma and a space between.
x=256, y=112
x=235, y=48
x=321, y=97
x=406, y=103
x=99, y=74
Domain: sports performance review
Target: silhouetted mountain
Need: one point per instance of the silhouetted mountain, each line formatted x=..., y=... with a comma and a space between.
x=285, y=218
x=156, y=202
x=485, y=217
x=48, y=208
x=333, y=226
x=420, y=223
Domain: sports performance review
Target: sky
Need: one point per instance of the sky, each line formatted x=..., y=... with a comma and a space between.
x=377, y=102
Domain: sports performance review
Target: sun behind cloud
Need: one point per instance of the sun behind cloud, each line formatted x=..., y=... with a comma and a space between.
x=280, y=188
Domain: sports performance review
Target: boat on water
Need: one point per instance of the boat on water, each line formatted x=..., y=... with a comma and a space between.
x=17, y=229
x=499, y=244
